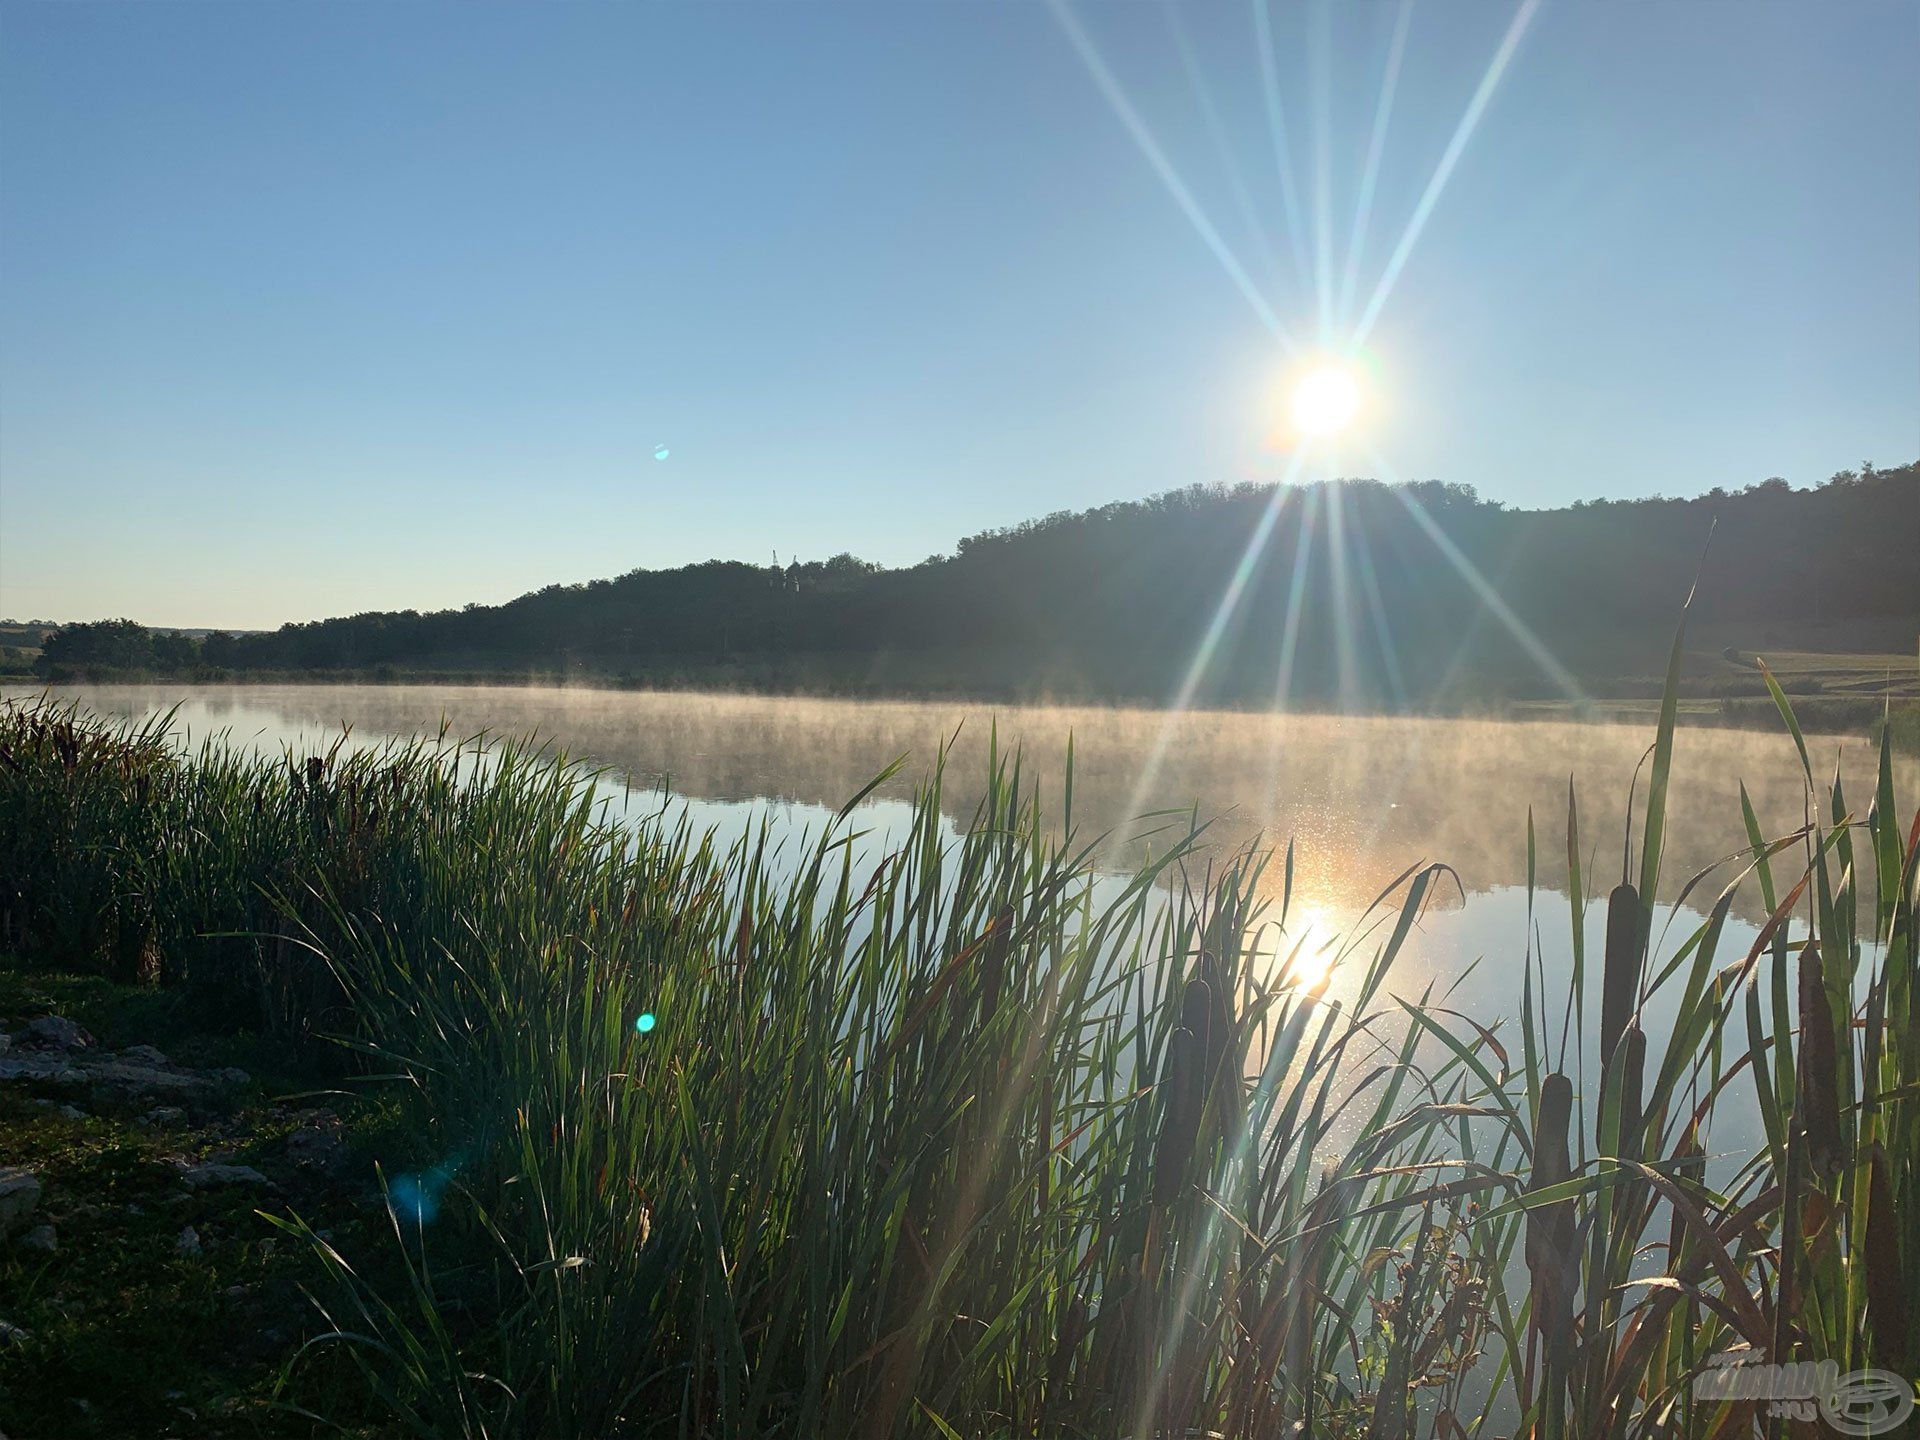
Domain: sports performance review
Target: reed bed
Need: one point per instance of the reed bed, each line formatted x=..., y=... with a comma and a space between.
x=952, y=1136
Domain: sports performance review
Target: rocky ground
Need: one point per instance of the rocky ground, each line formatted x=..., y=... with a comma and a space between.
x=143, y=1291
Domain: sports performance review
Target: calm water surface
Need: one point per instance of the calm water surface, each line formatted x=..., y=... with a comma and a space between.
x=1363, y=798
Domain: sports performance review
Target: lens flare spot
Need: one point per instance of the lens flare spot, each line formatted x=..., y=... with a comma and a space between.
x=417, y=1197
x=645, y=1023
x=660, y=452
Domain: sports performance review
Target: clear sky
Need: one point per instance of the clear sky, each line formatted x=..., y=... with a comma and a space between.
x=312, y=308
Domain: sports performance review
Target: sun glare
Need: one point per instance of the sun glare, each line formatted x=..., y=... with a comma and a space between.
x=1325, y=400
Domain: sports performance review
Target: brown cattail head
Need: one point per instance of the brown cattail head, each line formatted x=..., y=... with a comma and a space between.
x=1066, y=1346
x=1630, y=1061
x=993, y=965
x=1183, y=1091
x=1552, y=1256
x=1219, y=1032
x=1686, y=1155
x=1550, y=1250
x=1819, y=1077
x=1886, y=1276
x=1620, y=980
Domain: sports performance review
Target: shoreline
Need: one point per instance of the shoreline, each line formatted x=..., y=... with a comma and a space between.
x=1819, y=712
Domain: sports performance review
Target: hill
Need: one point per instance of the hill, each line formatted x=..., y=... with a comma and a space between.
x=1380, y=596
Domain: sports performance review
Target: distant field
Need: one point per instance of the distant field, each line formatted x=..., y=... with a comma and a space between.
x=1832, y=692
x=19, y=648
x=1857, y=673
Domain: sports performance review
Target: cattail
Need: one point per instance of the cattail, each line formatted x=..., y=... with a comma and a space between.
x=1066, y=1345
x=1183, y=1086
x=1630, y=1061
x=1220, y=1027
x=1620, y=980
x=1819, y=1078
x=993, y=965
x=1687, y=1157
x=1550, y=1227
x=1114, y=1345
x=1551, y=1256
x=1885, y=1277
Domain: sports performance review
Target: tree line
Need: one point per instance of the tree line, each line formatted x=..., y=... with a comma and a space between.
x=1380, y=594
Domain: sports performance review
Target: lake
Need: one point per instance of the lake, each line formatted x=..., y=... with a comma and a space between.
x=1362, y=798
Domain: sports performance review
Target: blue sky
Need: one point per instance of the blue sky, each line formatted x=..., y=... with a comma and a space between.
x=313, y=308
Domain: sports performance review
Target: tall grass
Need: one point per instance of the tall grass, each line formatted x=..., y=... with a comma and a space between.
x=942, y=1133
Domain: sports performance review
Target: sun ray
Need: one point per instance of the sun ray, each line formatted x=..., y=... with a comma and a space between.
x=1149, y=147
x=1243, y=571
x=1320, y=81
x=1296, y=604
x=1217, y=132
x=1382, y=628
x=1370, y=167
x=1289, y=650
x=1236, y=587
x=1481, y=586
x=1342, y=598
x=1463, y=132
x=1277, y=126
x=1392, y=777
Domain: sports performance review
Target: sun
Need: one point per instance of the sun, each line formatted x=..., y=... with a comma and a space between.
x=1325, y=400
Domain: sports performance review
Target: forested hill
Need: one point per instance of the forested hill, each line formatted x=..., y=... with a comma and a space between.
x=1378, y=592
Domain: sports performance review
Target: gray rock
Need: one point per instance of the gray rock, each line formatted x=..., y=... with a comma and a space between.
x=44, y=1069
x=119, y=1083
x=6, y=1042
x=19, y=1197
x=56, y=1032
x=187, y=1243
x=208, y=1174
x=41, y=1240
x=73, y=1112
x=11, y=1334
x=317, y=1146
x=132, y=1081
x=164, y=1117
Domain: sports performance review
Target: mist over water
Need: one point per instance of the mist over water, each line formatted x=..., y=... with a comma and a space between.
x=1362, y=798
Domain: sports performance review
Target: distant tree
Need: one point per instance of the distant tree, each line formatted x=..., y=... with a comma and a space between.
x=99, y=645
x=174, y=651
x=217, y=649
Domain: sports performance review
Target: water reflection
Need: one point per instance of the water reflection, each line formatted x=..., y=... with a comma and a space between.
x=1362, y=797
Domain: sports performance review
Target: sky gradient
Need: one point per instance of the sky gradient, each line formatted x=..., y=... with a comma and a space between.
x=314, y=308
